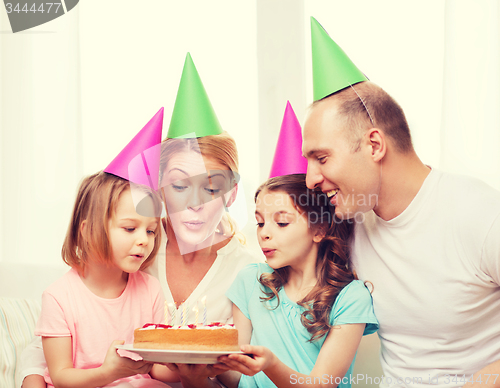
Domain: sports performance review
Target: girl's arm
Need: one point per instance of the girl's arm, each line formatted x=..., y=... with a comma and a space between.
x=333, y=361
x=58, y=353
x=165, y=374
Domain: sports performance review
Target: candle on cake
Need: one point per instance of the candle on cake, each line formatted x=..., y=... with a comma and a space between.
x=195, y=309
x=172, y=316
x=166, y=314
x=184, y=314
x=204, y=305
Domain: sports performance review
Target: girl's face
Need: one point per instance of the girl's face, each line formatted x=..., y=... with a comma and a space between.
x=196, y=191
x=131, y=235
x=283, y=232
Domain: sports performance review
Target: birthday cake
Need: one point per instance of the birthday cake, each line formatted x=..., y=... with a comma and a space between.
x=215, y=336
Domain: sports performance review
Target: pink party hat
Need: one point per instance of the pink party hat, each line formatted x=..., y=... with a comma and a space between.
x=139, y=161
x=288, y=157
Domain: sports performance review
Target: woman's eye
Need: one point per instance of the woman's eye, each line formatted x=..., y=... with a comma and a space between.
x=212, y=191
x=151, y=232
x=260, y=224
x=179, y=188
x=282, y=224
x=129, y=229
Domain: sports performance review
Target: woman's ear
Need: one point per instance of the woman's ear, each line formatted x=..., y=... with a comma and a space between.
x=232, y=195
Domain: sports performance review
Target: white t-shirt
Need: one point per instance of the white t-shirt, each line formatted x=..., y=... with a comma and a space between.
x=435, y=269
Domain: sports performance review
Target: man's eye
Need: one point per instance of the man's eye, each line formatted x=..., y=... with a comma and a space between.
x=322, y=160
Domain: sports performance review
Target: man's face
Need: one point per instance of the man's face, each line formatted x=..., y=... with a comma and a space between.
x=350, y=179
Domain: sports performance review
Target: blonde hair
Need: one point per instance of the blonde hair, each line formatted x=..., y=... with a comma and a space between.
x=96, y=202
x=220, y=148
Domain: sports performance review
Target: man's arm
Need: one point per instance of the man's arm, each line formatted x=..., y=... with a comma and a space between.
x=488, y=377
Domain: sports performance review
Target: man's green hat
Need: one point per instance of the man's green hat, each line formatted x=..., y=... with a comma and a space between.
x=193, y=115
x=332, y=68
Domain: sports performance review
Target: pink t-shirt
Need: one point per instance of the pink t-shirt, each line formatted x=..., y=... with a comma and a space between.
x=69, y=308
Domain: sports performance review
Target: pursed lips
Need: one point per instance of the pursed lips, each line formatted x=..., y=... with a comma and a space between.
x=193, y=224
x=138, y=256
x=268, y=251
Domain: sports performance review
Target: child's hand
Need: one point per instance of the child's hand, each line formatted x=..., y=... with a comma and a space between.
x=262, y=359
x=118, y=367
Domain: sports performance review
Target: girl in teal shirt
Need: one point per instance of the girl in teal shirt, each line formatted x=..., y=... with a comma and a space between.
x=301, y=314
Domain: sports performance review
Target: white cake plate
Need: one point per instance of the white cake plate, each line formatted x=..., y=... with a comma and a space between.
x=178, y=356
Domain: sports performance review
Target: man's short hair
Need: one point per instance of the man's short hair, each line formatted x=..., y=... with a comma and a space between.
x=366, y=105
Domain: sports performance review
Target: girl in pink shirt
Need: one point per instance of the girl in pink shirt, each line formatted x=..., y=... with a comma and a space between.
x=104, y=297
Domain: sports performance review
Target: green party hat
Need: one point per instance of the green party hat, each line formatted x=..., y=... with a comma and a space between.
x=332, y=68
x=193, y=115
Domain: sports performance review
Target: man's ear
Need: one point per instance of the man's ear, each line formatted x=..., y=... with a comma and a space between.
x=232, y=195
x=377, y=144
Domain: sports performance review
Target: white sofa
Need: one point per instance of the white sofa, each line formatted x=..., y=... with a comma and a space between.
x=21, y=288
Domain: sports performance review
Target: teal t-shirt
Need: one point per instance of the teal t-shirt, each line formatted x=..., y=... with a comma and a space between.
x=281, y=329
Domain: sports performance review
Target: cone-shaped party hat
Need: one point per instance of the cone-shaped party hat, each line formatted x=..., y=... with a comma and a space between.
x=193, y=115
x=332, y=68
x=288, y=157
x=139, y=161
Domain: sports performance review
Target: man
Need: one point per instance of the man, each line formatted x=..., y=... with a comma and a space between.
x=428, y=241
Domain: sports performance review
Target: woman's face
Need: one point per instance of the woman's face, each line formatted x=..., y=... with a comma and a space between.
x=196, y=191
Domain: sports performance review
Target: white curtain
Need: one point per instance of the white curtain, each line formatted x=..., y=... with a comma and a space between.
x=41, y=156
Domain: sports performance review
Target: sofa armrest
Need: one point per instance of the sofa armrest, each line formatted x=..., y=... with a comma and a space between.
x=18, y=318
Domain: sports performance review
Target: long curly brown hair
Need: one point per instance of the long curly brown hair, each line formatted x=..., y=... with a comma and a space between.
x=332, y=263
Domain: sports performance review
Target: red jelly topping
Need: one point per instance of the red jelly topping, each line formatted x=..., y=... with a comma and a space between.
x=191, y=326
x=156, y=326
x=215, y=324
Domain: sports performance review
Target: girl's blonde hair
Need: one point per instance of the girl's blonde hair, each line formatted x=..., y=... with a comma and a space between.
x=220, y=148
x=96, y=203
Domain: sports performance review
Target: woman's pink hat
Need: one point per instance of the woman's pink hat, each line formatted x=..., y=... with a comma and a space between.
x=288, y=157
